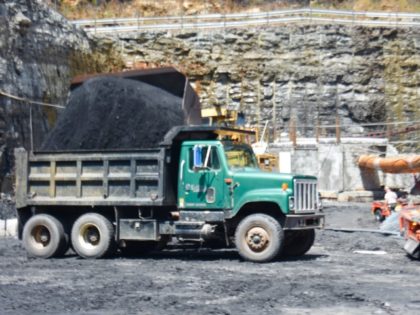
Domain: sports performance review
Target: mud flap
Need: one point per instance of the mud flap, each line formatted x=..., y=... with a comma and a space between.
x=412, y=247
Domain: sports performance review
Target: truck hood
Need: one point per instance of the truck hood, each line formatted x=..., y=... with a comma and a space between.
x=259, y=186
x=261, y=179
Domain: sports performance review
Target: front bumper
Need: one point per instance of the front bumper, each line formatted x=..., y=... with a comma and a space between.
x=304, y=221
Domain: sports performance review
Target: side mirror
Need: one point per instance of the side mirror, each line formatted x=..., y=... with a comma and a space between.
x=198, y=157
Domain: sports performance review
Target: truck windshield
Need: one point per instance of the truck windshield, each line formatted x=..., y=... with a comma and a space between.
x=239, y=156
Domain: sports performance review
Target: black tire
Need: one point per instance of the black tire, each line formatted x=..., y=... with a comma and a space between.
x=92, y=236
x=298, y=243
x=44, y=237
x=378, y=215
x=415, y=255
x=259, y=238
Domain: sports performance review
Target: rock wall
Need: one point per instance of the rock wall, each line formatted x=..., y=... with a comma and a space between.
x=310, y=73
x=39, y=53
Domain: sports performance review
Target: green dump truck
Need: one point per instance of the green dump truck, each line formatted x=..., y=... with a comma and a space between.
x=198, y=186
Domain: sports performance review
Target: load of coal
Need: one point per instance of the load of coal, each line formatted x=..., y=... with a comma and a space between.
x=112, y=113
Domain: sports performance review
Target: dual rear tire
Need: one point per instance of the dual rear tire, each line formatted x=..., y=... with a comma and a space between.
x=44, y=237
x=92, y=236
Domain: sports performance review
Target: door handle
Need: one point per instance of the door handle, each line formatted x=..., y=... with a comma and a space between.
x=181, y=170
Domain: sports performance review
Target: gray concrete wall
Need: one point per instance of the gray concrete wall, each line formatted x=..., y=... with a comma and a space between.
x=336, y=166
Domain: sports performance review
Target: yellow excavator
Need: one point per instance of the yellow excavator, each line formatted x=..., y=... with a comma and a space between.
x=222, y=116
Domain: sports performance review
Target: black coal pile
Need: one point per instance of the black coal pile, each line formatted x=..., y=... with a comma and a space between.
x=115, y=113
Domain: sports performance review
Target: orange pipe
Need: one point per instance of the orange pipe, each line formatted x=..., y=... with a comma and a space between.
x=395, y=165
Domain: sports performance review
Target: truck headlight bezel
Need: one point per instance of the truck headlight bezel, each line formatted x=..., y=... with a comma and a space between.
x=291, y=203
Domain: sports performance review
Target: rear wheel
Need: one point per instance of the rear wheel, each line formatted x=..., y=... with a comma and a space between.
x=259, y=238
x=378, y=215
x=298, y=243
x=92, y=236
x=44, y=237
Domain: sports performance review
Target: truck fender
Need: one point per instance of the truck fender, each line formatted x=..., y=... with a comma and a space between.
x=275, y=196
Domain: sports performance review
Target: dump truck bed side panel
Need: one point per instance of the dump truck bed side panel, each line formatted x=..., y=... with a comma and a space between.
x=94, y=179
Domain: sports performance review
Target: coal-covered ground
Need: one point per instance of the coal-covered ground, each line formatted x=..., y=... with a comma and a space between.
x=331, y=279
x=115, y=113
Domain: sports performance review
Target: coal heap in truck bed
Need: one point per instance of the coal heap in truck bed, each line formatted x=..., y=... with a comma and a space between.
x=115, y=113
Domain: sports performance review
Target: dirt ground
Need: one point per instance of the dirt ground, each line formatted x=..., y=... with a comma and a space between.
x=331, y=279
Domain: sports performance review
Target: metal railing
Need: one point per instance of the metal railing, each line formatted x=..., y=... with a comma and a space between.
x=212, y=21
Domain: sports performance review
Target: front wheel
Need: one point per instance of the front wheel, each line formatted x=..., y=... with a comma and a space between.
x=259, y=238
x=92, y=236
x=378, y=215
x=298, y=243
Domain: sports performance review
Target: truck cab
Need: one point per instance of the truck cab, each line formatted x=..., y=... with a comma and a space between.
x=222, y=177
x=202, y=185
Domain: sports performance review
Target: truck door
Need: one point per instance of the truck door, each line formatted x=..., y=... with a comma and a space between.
x=201, y=188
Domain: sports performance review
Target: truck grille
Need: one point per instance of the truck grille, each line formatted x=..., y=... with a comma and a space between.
x=306, y=195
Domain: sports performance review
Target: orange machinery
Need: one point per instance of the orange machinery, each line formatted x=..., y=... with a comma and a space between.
x=410, y=228
x=395, y=165
x=381, y=210
x=409, y=215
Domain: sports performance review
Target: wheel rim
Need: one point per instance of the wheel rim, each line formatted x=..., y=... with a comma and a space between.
x=257, y=239
x=89, y=236
x=40, y=236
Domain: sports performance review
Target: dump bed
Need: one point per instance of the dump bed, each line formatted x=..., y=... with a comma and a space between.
x=91, y=179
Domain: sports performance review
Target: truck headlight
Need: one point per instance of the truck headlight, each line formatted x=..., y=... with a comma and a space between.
x=319, y=202
x=291, y=203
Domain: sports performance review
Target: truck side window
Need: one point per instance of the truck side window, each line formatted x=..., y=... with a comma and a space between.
x=213, y=162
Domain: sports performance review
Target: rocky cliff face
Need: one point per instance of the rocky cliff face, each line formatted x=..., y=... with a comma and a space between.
x=310, y=73
x=39, y=52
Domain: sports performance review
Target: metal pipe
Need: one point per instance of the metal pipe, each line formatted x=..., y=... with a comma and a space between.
x=395, y=165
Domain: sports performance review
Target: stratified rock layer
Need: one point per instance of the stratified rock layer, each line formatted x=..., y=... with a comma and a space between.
x=309, y=72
